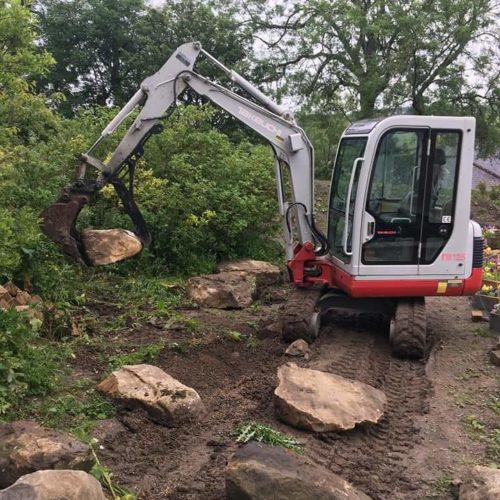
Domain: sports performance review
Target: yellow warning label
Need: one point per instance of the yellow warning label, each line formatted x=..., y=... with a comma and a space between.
x=442, y=285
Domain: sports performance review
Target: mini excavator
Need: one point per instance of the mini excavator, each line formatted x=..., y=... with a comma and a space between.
x=399, y=227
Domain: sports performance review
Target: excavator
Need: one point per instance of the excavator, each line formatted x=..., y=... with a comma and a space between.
x=398, y=229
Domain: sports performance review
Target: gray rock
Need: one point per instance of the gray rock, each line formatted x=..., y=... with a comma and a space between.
x=166, y=400
x=266, y=274
x=298, y=348
x=28, y=447
x=261, y=472
x=481, y=483
x=495, y=357
x=322, y=402
x=105, y=246
x=54, y=485
x=226, y=290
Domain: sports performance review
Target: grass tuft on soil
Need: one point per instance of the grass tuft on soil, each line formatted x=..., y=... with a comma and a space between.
x=252, y=431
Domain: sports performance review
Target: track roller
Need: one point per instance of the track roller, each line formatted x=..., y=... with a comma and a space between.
x=408, y=333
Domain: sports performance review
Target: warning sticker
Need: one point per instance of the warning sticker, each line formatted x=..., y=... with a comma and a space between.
x=442, y=285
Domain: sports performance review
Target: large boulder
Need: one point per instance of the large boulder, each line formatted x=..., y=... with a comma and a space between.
x=481, y=483
x=28, y=447
x=321, y=402
x=226, y=290
x=55, y=485
x=261, y=472
x=167, y=401
x=105, y=246
x=266, y=274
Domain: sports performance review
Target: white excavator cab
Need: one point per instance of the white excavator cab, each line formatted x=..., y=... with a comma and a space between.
x=399, y=209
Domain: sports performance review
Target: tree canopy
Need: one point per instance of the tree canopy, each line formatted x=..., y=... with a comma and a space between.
x=105, y=48
x=369, y=54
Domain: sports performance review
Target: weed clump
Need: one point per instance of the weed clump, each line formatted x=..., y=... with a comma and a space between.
x=29, y=365
x=252, y=431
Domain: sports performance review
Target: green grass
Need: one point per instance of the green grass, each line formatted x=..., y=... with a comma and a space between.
x=252, y=431
x=443, y=483
x=144, y=353
x=490, y=437
x=105, y=476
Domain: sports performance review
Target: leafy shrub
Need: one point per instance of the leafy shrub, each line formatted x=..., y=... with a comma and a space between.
x=28, y=366
x=204, y=198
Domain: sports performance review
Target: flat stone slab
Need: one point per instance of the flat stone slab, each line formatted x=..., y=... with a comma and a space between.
x=27, y=447
x=322, y=402
x=106, y=246
x=481, y=483
x=226, y=290
x=262, y=472
x=55, y=485
x=266, y=274
x=166, y=400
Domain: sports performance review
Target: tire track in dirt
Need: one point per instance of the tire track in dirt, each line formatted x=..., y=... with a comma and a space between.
x=371, y=457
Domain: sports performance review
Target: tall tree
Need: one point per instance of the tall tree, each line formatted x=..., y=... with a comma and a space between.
x=370, y=53
x=104, y=48
x=23, y=114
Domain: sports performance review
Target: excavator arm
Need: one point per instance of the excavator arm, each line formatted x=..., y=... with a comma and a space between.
x=156, y=96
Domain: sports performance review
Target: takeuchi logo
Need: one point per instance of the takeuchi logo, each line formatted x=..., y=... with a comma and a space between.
x=259, y=121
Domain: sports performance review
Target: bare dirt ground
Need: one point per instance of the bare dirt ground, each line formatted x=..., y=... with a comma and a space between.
x=440, y=417
x=443, y=413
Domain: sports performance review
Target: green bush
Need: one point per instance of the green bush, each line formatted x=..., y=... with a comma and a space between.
x=204, y=198
x=28, y=364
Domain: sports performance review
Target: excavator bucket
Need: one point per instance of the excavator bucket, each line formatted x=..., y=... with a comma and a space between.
x=59, y=224
x=92, y=247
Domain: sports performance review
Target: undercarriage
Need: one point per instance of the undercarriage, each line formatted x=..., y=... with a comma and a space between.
x=307, y=309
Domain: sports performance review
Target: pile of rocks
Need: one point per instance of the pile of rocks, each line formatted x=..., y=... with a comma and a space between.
x=13, y=296
x=37, y=463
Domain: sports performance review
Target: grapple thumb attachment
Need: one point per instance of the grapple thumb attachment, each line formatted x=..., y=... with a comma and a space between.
x=93, y=247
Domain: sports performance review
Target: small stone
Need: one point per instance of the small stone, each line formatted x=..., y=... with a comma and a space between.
x=36, y=299
x=481, y=483
x=54, y=485
x=165, y=399
x=106, y=246
x=262, y=472
x=495, y=357
x=3, y=292
x=22, y=298
x=322, y=402
x=11, y=288
x=298, y=348
x=26, y=447
x=226, y=290
x=476, y=315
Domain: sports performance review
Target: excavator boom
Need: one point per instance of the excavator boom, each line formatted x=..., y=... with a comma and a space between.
x=156, y=97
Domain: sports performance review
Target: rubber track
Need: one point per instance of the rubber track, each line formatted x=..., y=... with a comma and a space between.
x=297, y=313
x=410, y=329
x=372, y=457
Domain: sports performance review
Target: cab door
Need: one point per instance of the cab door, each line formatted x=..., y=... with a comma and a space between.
x=343, y=194
x=391, y=229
